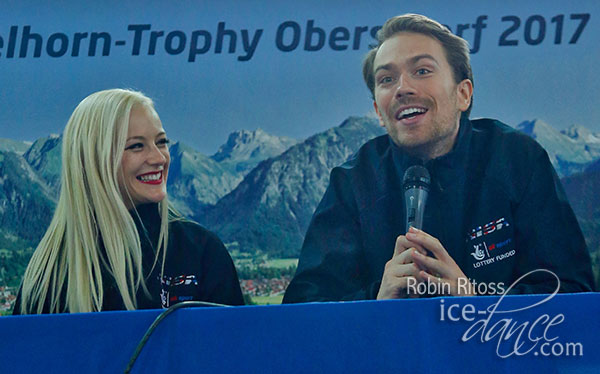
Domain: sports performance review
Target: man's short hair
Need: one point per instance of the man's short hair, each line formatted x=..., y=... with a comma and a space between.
x=456, y=48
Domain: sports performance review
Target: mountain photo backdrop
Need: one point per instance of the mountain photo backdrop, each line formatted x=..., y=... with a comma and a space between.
x=258, y=193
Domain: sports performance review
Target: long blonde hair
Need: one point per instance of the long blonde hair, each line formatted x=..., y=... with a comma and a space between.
x=90, y=209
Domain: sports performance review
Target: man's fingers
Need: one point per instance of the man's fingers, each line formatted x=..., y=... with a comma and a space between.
x=424, y=240
x=398, y=270
x=394, y=288
x=402, y=244
x=405, y=257
x=431, y=264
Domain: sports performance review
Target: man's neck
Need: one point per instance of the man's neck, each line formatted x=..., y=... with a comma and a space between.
x=433, y=150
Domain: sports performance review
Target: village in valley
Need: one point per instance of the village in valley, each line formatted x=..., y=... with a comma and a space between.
x=263, y=280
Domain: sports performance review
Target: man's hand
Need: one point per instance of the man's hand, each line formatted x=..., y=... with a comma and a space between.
x=399, y=269
x=439, y=270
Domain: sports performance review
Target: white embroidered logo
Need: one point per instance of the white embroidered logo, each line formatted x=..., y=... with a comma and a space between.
x=479, y=254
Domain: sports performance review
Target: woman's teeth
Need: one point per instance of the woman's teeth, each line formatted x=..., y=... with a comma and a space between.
x=149, y=177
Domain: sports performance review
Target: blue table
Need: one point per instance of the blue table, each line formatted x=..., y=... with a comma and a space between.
x=418, y=335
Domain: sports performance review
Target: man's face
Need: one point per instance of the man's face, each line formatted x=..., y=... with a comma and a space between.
x=416, y=97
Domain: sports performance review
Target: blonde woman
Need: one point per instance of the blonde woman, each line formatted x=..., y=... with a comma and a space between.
x=113, y=243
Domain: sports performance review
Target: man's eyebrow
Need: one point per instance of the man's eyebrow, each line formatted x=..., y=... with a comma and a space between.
x=425, y=56
x=383, y=67
x=413, y=60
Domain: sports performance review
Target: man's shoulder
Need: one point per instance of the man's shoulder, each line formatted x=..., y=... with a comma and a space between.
x=368, y=156
x=505, y=155
x=504, y=141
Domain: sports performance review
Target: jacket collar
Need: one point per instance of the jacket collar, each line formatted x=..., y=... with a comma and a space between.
x=454, y=159
x=147, y=220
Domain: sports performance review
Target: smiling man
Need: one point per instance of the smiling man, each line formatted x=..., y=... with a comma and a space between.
x=496, y=210
x=416, y=97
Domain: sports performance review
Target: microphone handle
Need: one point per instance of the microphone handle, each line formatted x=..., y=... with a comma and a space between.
x=415, y=199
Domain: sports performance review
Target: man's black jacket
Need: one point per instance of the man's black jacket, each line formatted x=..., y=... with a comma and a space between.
x=495, y=203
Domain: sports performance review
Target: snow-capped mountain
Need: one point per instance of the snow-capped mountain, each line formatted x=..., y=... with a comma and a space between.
x=570, y=151
x=245, y=149
x=196, y=180
x=16, y=146
x=272, y=207
x=582, y=134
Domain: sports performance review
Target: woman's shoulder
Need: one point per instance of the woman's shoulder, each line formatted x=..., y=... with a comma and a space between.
x=183, y=231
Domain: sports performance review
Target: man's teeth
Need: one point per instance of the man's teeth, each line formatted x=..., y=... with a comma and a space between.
x=150, y=177
x=411, y=111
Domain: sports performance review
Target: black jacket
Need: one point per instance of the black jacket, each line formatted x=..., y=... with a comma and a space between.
x=495, y=203
x=197, y=267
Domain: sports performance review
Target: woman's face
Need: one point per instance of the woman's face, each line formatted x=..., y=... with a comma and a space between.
x=145, y=163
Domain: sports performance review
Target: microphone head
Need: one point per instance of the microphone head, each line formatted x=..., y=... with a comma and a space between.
x=416, y=176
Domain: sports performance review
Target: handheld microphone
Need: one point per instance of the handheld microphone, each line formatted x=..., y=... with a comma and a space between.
x=416, y=188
